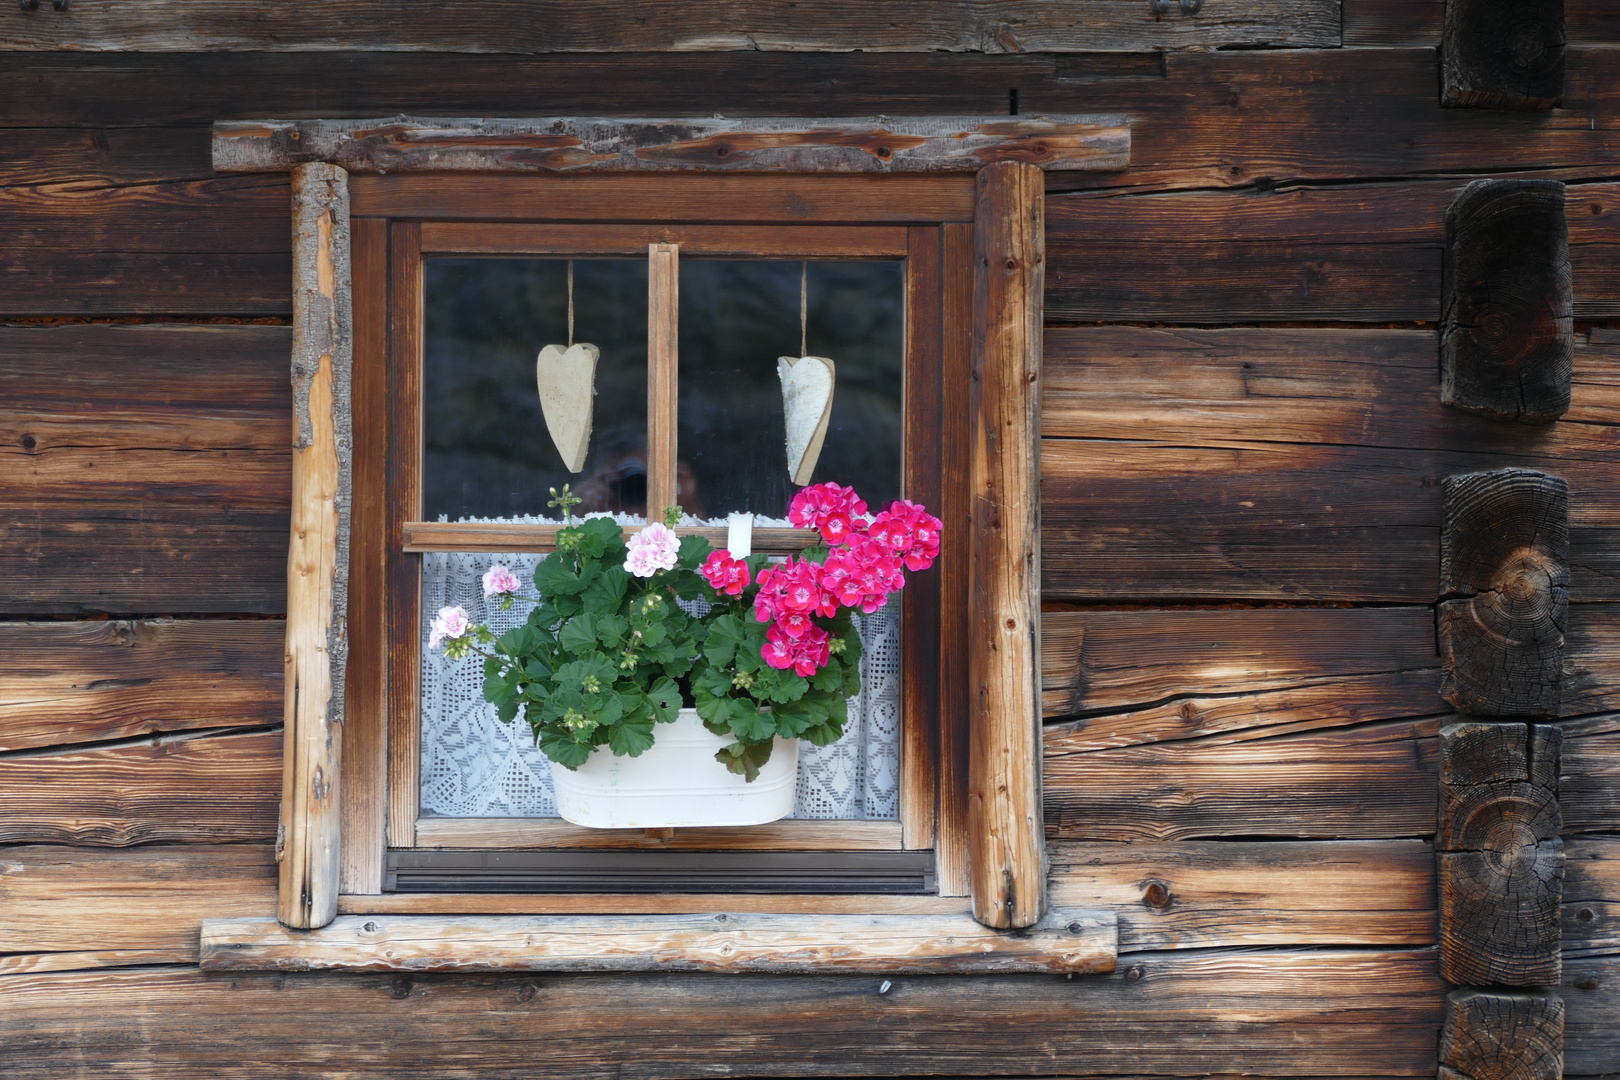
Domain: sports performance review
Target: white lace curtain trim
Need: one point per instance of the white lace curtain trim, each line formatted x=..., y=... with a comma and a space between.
x=475, y=766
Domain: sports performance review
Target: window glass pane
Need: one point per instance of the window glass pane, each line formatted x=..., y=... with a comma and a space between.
x=736, y=318
x=486, y=451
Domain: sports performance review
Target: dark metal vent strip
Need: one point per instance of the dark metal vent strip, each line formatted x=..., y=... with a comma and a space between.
x=567, y=871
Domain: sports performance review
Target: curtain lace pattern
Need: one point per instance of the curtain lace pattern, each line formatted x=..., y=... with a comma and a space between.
x=475, y=766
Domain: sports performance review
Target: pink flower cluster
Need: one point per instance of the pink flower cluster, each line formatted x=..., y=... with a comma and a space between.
x=451, y=622
x=725, y=574
x=499, y=580
x=651, y=550
x=866, y=563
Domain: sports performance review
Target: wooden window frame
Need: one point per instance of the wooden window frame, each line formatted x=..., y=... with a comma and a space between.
x=991, y=229
x=925, y=462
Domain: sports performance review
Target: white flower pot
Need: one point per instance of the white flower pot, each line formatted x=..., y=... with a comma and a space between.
x=677, y=783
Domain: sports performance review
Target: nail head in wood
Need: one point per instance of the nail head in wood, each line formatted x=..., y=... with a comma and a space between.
x=1502, y=54
x=1507, y=325
x=1504, y=566
x=1496, y=1035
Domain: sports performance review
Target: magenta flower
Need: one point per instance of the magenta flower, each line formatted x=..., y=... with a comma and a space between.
x=451, y=622
x=725, y=574
x=806, y=655
x=651, y=550
x=835, y=511
x=499, y=579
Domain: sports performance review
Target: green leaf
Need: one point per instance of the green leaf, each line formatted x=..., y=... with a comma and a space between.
x=554, y=577
x=562, y=749
x=694, y=550
x=748, y=723
x=631, y=738
x=579, y=634
x=600, y=536
x=610, y=630
x=506, y=710
x=726, y=636
x=606, y=593
x=665, y=697
x=745, y=759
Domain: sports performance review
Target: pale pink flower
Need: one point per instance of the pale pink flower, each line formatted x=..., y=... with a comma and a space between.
x=500, y=579
x=651, y=550
x=451, y=622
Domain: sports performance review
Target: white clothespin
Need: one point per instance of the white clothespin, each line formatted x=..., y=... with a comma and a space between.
x=740, y=535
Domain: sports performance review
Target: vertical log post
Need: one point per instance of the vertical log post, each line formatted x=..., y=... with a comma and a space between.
x=1502, y=1036
x=663, y=330
x=1507, y=344
x=1502, y=54
x=1504, y=564
x=318, y=555
x=1006, y=834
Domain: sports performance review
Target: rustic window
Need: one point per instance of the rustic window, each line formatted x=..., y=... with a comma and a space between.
x=737, y=200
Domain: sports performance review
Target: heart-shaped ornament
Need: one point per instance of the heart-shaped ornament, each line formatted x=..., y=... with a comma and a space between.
x=807, y=393
x=567, y=379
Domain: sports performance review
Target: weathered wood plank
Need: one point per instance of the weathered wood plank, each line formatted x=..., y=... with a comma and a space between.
x=1591, y=993
x=1063, y=943
x=1591, y=911
x=1365, y=783
x=1199, y=894
x=318, y=557
x=511, y=26
x=1419, y=22
x=1506, y=342
x=135, y=456
x=148, y=902
x=1263, y=521
x=1496, y=55
x=1589, y=788
x=1500, y=862
x=1504, y=558
x=1272, y=1014
x=879, y=144
x=1124, y=661
x=184, y=790
x=85, y=682
x=1320, y=385
x=1007, y=849
x=1501, y=1034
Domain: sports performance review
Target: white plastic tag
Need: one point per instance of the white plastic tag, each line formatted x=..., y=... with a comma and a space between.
x=740, y=535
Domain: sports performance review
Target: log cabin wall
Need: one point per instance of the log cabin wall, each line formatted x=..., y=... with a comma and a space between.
x=1242, y=504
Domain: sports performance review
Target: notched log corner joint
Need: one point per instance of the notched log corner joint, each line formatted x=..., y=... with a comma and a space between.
x=1502, y=1034
x=1504, y=584
x=1507, y=342
x=1502, y=54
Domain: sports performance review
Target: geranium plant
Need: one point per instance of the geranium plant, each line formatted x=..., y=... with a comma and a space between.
x=607, y=653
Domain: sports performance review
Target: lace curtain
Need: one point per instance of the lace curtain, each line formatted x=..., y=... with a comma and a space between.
x=475, y=766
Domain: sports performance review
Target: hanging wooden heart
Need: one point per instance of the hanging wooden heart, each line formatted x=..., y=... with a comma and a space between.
x=567, y=379
x=807, y=393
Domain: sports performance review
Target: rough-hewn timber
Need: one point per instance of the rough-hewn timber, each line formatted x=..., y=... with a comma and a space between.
x=1499, y=1035
x=1498, y=54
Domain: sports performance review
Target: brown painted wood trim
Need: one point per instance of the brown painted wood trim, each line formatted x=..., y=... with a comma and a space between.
x=517, y=833
x=1004, y=794
x=422, y=536
x=318, y=559
x=668, y=198
x=880, y=144
x=1066, y=943
x=663, y=377
x=632, y=240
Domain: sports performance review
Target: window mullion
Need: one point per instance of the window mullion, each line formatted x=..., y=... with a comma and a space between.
x=663, y=314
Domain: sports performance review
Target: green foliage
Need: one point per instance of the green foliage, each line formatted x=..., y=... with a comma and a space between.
x=605, y=657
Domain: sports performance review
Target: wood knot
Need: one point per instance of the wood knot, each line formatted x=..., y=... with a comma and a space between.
x=1134, y=973
x=400, y=989
x=1156, y=894
x=29, y=442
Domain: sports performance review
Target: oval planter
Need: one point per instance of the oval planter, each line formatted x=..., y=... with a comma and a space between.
x=676, y=783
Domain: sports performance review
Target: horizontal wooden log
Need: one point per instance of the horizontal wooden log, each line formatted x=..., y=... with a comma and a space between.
x=1502, y=55
x=597, y=144
x=1200, y=894
x=1591, y=911
x=1263, y=521
x=1498, y=1034
x=1360, y=1013
x=1178, y=674
x=1506, y=342
x=1589, y=789
x=83, y=907
x=509, y=26
x=148, y=462
x=1591, y=993
x=1369, y=782
x=85, y=682
x=1064, y=943
x=1418, y=22
x=1504, y=565
x=170, y=790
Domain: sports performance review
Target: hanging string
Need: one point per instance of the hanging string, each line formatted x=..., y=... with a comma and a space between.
x=804, y=307
x=570, y=303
